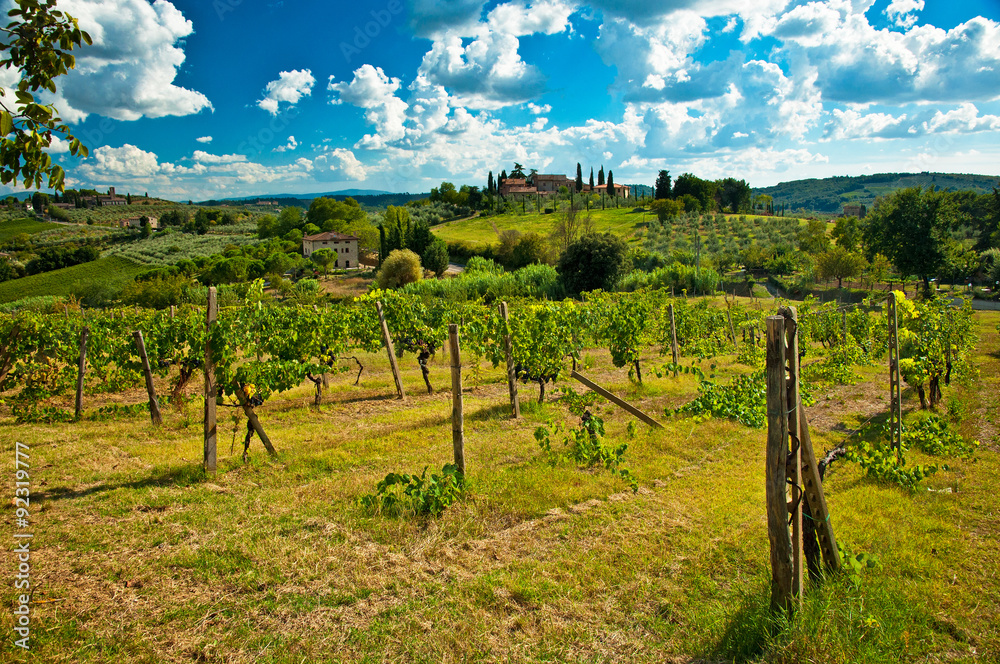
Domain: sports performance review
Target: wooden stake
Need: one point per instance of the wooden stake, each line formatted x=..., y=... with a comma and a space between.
x=509, y=356
x=673, y=340
x=895, y=405
x=776, y=458
x=154, y=406
x=211, y=315
x=794, y=465
x=812, y=485
x=732, y=330
x=84, y=336
x=621, y=403
x=387, y=339
x=457, y=414
x=248, y=410
x=173, y=311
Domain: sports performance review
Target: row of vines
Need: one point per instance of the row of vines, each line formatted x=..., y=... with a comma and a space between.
x=277, y=348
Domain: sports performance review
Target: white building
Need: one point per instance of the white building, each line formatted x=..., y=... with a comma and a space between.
x=345, y=247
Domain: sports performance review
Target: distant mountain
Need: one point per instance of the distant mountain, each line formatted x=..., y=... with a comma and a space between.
x=366, y=197
x=831, y=194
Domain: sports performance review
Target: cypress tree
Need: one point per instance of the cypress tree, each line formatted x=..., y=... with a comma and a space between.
x=579, y=177
x=591, y=178
x=600, y=176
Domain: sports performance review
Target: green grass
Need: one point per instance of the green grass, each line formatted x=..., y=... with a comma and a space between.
x=479, y=231
x=274, y=561
x=624, y=222
x=12, y=227
x=112, y=271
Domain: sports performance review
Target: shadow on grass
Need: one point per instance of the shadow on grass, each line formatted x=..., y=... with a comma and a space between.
x=501, y=411
x=173, y=476
x=751, y=631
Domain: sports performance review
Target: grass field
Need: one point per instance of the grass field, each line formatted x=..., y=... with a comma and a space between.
x=112, y=271
x=12, y=227
x=627, y=223
x=138, y=557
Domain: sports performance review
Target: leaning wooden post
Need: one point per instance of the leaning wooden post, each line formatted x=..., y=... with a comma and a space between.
x=387, y=339
x=154, y=406
x=673, y=339
x=84, y=336
x=254, y=421
x=732, y=330
x=457, y=415
x=211, y=315
x=794, y=465
x=895, y=406
x=776, y=458
x=509, y=356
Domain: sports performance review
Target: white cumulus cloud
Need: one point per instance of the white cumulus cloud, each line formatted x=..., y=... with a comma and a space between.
x=204, y=139
x=289, y=88
x=129, y=71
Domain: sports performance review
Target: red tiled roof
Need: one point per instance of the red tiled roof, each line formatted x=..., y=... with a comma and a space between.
x=329, y=236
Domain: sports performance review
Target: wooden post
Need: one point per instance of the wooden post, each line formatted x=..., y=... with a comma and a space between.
x=621, y=403
x=248, y=410
x=674, y=354
x=732, y=330
x=173, y=311
x=457, y=414
x=845, y=327
x=509, y=356
x=387, y=339
x=776, y=458
x=211, y=315
x=154, y=406
x=895, y=405
x=794, y=465
x=812, y=485
x=84, y=335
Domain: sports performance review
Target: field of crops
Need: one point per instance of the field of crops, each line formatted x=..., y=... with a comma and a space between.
x=11, y=227
x=111, y=271
x=174, y=246
x=138, y=556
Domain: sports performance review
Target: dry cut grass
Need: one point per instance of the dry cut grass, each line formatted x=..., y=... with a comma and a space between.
x=138, y=557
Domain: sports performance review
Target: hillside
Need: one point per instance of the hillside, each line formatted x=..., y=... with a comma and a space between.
x=831, y=194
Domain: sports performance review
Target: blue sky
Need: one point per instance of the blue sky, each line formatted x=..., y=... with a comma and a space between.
x=216, y=98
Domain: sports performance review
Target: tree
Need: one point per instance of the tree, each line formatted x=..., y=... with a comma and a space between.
x=579, y=177
x=703, y=190
x=591, y=178
x=839, y=263
x=666, y=208
x=147, y=228
x=911, y=228
x=518, y=171
x=662, y=189
x=611, y=183
x=419, y=236
x=812, y=238
x=596, y=260
x=332, y=215
x=490, y=185
x=401, y=267
x=435, y=257
x=847, y=233
x=324, y=258
x=600, y=176
x=735, y=195
x=37, y=45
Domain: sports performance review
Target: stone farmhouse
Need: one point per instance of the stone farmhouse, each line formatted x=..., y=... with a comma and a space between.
x=136, y=222
x=110, y=199
x=547, y=184
x=345, y=247
x=859, y=211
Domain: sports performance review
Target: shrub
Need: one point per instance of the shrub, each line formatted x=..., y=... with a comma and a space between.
x=401, y=267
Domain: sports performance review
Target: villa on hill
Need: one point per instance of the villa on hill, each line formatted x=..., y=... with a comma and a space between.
x=547, y=184
x=110, y=199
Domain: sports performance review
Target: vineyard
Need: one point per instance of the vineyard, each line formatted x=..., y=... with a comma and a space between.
x=576, y=533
